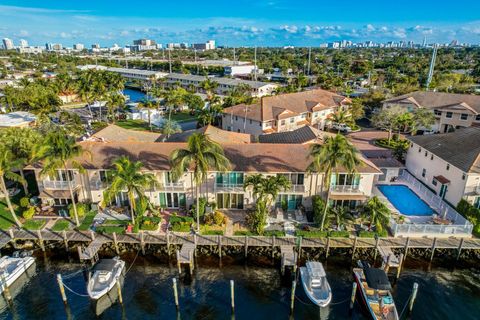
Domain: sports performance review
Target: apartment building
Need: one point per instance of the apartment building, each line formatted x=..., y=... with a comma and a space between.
x=284, y=112
x=448, y=164
x=257, y=88
x=224, y=188
x=451, y=110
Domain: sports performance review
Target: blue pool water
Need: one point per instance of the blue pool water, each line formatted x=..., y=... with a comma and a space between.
x=405, y=200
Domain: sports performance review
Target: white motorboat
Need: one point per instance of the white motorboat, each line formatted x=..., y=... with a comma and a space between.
x=315, y=284
x=374, y=290
x=106, y=273
x=12, y=268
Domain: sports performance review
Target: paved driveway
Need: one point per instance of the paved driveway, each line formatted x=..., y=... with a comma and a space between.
x=364, y=141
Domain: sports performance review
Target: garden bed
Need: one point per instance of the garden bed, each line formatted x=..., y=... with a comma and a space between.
x=34, y=224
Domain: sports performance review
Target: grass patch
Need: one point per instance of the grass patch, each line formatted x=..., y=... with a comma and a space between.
x=116, y=222
x=243, y=233
x=6, y=219
x=34, y=224
x=183, y=117
x=339, y=234
x=372, y=234
x=311, y=234
x=110, y=229
x=87, y=221
x=276, y=233
x=211, y=230
x=61, y=225
x=134, y=125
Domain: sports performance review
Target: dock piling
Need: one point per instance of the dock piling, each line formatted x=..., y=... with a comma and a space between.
x=6, y=290
x=413, y=297
x=246, y=247
x=354, y=248
x=327, y=248
x=352, y=298
x=62, y=288
x=292, y=296
x=119, y=290
x=175, y=293
x=232, y=295
x=40, y=240
x=460, y=249
x=115, y=243
x=178, y=264
x=142, y=242
x=407, y=243
x=400, y=265
x=375, y=250
x=273, y=246
x=433, y=248
x=65, y=239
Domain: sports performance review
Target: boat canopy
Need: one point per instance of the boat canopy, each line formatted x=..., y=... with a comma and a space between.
x=315, y=269
x=377, y=279
x=105, y=265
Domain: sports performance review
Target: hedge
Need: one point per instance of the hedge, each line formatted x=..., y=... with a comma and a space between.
x=372, y=234
x=311, y=234
x=213, y=232
x=276, y=233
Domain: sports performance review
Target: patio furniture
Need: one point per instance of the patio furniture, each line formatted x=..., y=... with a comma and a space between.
x=299, y=216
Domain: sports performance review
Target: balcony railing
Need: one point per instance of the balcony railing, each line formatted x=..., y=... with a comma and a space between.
x=346, y=189
x=297, y=188
x=98, y=185
x=233, y=187
x=472, y=190
x=173, y=186
x=59, y=185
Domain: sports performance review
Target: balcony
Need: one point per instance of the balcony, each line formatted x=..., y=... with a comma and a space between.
x=473, y=190
x=173, y=186
x=98, y=185
x=229, y=187
x=296, y=188
x=345, y=189
x=59, y=185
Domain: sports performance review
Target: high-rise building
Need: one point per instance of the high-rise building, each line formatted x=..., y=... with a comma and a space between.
x=78, y=46
x=57, y=46
x=209, y=45
x=7, y=44
x=48, y=46
x=144, y=42
x=95, y=46
x=23, y=43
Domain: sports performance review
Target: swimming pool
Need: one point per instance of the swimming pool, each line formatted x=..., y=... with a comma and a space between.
x=405, y=200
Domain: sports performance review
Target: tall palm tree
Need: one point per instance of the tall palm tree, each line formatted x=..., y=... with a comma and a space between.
x=174, y=99
x=128, y=175
x=341, y=116
x=169, y=127
x=377, y=212
x=59, y=151
x=254, y=181
x=334, y=154
x=7, y=164
x=273, y=185
x=209, y=86
x=115, y=101
x=200, y=156
x=21, y=142
x=342, y=215
x=149, y=105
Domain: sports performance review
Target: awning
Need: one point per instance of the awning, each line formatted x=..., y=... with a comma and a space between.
x=377, y=279
x=442, y=179
x=337, y=196
x=55, y=194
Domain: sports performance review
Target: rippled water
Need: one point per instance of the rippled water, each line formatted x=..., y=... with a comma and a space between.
x=261, y=293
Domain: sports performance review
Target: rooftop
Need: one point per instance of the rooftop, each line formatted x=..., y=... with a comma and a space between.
x=438, y=100
x=16, y=119
x=219, y=80
x=460, y=148
x=305, y=134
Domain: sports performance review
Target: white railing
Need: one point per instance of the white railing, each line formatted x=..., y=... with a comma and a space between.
x=472, y=190
x=98, y=184
x=459, y=226
x=297, y=188
x=345, y=189
x=232, y=187
x=59, y=185
x=173, y=186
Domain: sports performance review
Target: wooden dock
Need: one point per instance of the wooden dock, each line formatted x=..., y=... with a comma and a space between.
x=185, y=256
x=289, y=258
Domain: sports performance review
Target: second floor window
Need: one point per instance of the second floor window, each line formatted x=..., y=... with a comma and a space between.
x=292, y=120
x=463, y=116
x=294, y=178
x=229, y=178
x=449, y=114
x=61, y=175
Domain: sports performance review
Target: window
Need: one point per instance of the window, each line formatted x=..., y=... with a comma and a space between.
x=431, y=157
x=230, y=201
x=61, y=201
x=437, y=112
x=304, y=116
x=236, y=118
x=419, y=149
x=315, y=114
x=449, y=114
x=434, y=181
x=282, y=122
x=463, y=116
x=294, y=178
x=448, y=167
x=229, y=179
x=477, y=117
x=61, y=175
x=292, y=120
x=424, y=172
x=288, y=202
x=172, y=199
x=464, y=176
x=426, y=153
x=250, y=121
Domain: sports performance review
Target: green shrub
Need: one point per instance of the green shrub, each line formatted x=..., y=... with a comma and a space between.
x=243, y=233
x=181, y=223
x=34, y=224
x=311, y=234
x=339, y=234
x=216, y=218
x=28, y=213
x=150, y=223
x=141, y=205
x=110, y=229
x=318, y=208
x=81, y=210
x=372, y=234
x=276, y=233
x=87, y=221
x=24, y=202
x=213, y=232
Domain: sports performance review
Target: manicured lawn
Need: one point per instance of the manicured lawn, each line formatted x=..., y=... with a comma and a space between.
x=61, y=225
x=211, y=230
x=34, y=224
x=134, y=125
x=6, y=219
x=110, y=229
x=87, y=221
x=182, y=116
x=116, y=222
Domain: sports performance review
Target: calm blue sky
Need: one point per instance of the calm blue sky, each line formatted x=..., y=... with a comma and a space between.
x=239, y=22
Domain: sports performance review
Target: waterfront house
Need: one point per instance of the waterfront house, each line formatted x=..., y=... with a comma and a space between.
x=226, y=189
x=448, y=164
x=451, y=110
x=284, y=112
x=257, y=88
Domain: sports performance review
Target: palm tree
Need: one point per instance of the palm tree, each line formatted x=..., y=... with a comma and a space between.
x=200, y=156
x=209, y=86
x=273, y=185
x=342, y=215
x=341, y=116
x=377, y=212
x=114, y=102
x=335, y=153
x=59, y=151
x=169, y=127
x=21, y=142
x=7, y=164
x=254, y=181
x=128, y=175
x=174, y=99
x=149, y=105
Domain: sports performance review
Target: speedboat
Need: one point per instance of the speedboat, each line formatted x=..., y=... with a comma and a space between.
x=106, y=273
x=12, y=268
x=375, y=291
x=315, y=284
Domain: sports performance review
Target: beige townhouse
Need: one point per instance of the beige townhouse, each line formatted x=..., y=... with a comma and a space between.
x=451, y=110
x=448, y=164
x=224, y=188
x=284, y=112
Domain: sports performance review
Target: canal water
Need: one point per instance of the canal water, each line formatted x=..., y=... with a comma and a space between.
x=260, y=293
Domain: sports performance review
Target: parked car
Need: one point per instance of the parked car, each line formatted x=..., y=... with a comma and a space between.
x=341, y=127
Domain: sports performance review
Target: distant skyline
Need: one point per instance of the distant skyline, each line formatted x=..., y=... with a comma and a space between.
x=238, y=23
